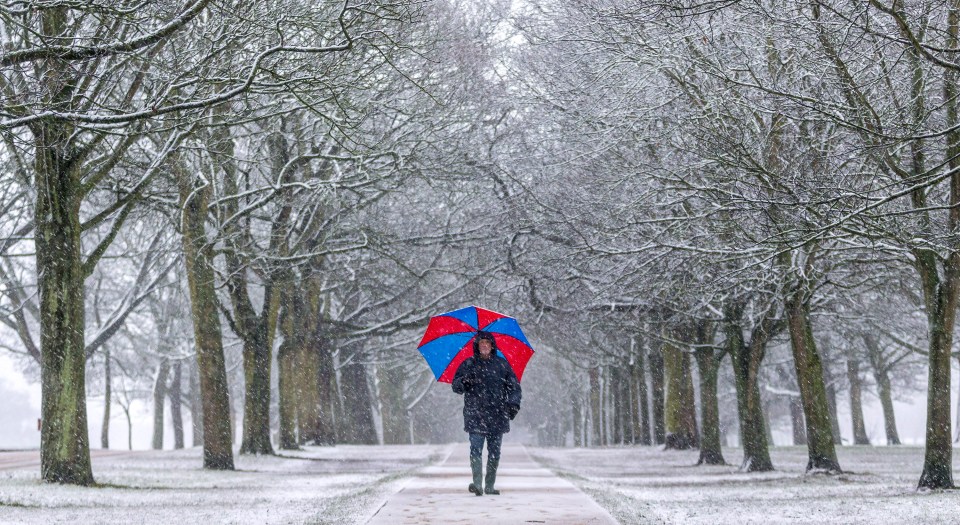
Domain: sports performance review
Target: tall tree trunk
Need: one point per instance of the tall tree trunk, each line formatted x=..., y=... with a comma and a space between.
x=159, y=395
x=288, y=396
x=881, y=375
x=617, y=402
x=325, y=381
x=105, y=429
x=813, y=393
x=831, y=385
x=211, y=365
x=358, y=427
x=287, y=369
x=595, y=408
x=640, y=380
x=393, y=408
x=657, y=386
x=940, y=291
x=708, y=366
x=577, y=410
x=176, y=405
x=746, y=359
x=64, y=440
x=796, y=420
x=257, y=360
x=64, y=446
x=856, y=403
x=679, y=411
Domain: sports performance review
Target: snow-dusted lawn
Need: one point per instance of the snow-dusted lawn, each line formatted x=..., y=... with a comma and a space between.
x=649, y=485
x=342, y=484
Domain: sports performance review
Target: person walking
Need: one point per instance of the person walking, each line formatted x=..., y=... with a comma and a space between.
x=491, y=398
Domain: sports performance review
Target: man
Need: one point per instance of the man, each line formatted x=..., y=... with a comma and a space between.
x=491, y=398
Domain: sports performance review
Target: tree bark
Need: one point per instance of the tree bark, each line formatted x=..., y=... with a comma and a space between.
x=393, y=408
x=746, y=359
x=287, y=396
x=796, y=420
x=657, y=385
x=616, y=405
x=211, y=365
x=595, y=407
x=708, y=365
x=640, y=380
x=64, y=446
x=680, y=411
x=159, y=395
x=940, y=292
x=577, y=420
x=881, y=375
x=176, y=405
x=821, y=450
x=856, y=403
x=831, y=386
x=357, y=427
x=105, y=428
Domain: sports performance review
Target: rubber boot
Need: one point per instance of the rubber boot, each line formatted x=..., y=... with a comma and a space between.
x=492, y=465
x=476, y=464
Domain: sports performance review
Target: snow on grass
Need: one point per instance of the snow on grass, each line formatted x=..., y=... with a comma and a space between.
x=650, y=485
x=342, y=484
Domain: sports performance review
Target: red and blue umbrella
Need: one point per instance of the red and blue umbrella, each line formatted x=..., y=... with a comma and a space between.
x=449, y=340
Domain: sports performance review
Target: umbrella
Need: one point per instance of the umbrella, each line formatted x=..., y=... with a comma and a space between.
x=449, y=340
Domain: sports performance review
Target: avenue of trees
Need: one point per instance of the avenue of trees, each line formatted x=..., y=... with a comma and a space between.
x=713, y=220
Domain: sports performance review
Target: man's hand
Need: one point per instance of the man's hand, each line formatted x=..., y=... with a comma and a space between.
x=512, y=410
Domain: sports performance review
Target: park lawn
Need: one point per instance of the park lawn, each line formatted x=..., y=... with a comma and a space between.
x=650, y=485
x=341, y=484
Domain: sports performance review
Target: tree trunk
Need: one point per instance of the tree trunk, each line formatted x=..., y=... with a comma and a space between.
x=679, y=411
x=257, y=360
x=357, y=427
x=796, y=420
x=617, y=402
x=831, y=386
x=159, y=395
x=211, y=365
x=640, y=380
x=393, y=408
x=746, y=361
x=940, y=293
x=64, y=446
x=176, y=405
x=820, y=444
x=708, y=366
x=856, y=403
x=577, y=420
x=105, y=429
x=657, y=385
x=595, y=407
x=882, y=377
x=288, y=399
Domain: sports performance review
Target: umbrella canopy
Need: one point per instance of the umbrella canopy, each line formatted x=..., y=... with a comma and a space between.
x=449, y=340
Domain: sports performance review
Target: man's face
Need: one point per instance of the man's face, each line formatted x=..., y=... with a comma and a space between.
x=485, y=347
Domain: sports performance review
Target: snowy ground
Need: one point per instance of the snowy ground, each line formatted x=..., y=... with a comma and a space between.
x=348, y=484
x=648, y=485
x=343, y=484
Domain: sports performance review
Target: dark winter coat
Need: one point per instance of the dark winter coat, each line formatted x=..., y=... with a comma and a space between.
x=491, y=394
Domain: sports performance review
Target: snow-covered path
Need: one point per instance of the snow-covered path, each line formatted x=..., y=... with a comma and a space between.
x=529, y=494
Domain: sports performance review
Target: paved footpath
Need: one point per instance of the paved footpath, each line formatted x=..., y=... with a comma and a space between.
x=529, y=494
